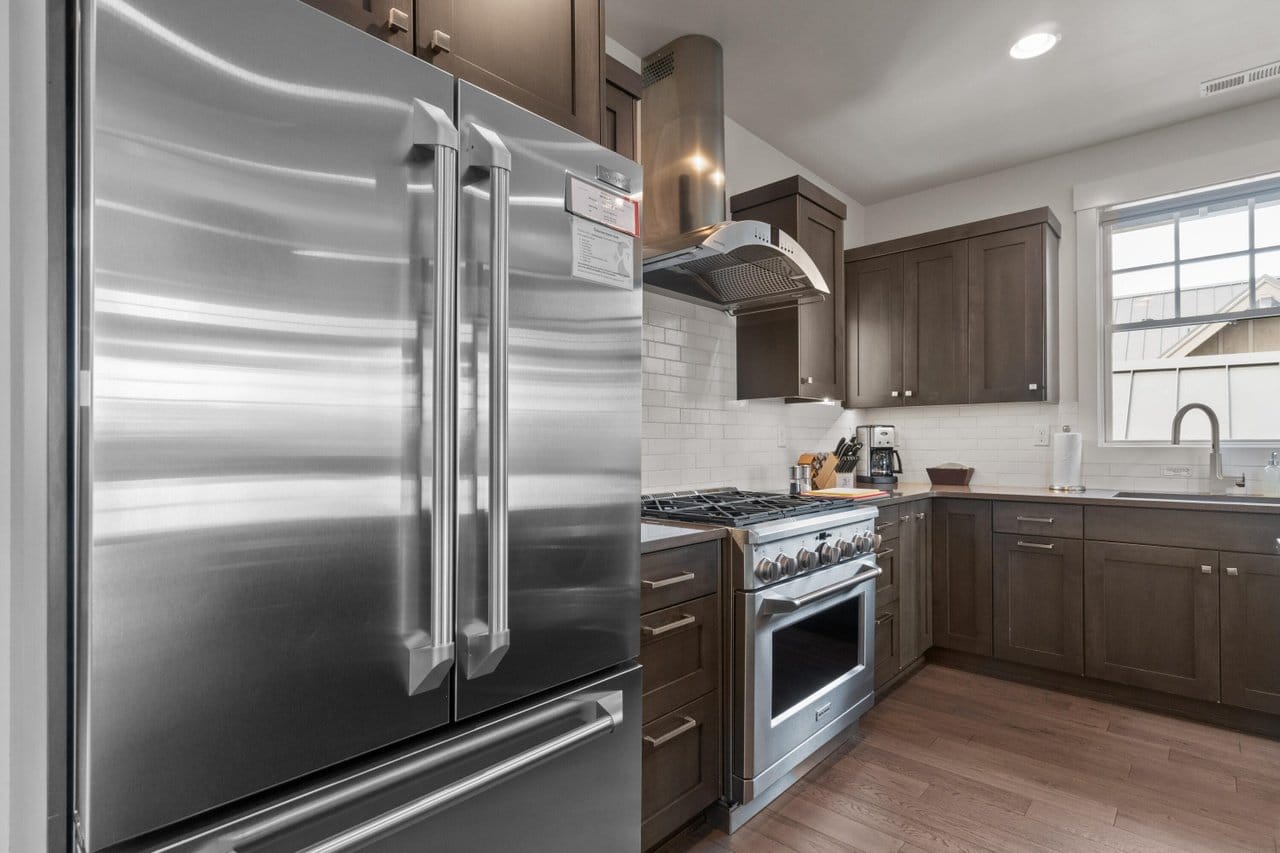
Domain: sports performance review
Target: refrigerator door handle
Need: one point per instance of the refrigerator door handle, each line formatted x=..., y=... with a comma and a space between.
x=431, y=653
x=488, y=642
x=600, y=713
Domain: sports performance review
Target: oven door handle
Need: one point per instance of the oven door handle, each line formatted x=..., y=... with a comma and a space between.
x=778, y=604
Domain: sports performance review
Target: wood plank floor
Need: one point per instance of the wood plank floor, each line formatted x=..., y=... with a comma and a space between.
x=954, y=761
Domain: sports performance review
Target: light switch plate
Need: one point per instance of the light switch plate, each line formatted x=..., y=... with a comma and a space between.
x=782, y=436
x=1042, y=435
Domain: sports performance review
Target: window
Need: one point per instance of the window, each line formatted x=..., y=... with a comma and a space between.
x=1192, y=286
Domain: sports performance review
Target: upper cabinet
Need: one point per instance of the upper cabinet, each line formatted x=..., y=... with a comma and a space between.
x=796, y=352
x=959, y=315
x=389, y=20
x=620, y=131
x=545, y=55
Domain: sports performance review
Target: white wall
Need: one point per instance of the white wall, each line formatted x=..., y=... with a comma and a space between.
x=1215, y=143
x=6, y=536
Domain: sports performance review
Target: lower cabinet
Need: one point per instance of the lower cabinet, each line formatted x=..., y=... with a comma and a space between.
x=961, y=570
x=1152, y=616
x=1038, y=612
x=681, y=761
x=1250, y=615
x=680, y=649
x=904, y=618
x=888, y=639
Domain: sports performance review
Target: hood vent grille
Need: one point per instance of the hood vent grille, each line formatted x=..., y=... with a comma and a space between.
x=658, y=68
x=1260, y=74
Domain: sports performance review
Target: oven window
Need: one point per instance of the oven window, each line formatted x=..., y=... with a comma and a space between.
x=810, y=654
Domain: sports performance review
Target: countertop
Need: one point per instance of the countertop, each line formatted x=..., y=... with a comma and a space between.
x=661, y=535
x=1096, y=497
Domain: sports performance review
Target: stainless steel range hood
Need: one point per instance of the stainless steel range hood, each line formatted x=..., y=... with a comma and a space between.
x=690, y=249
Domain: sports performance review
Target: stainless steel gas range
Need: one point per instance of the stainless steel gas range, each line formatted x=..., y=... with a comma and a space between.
x=801, y=629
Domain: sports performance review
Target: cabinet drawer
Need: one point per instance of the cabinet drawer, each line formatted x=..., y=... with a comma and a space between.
x=889, y=559
x=678, y=574
x=681, y=768
x=1250, y=533
x=888, y=642
x=1065, y=521
x=680, y=653
x=1038, y=612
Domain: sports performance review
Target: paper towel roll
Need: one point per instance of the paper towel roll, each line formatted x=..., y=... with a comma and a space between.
x=1068, y=462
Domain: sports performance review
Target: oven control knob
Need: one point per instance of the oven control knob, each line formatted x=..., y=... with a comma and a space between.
x=874, y=544
x=807, y=559
x=767, y=570
x=786, y=566
x=830, y=553
x=861, y=542
x=847, y=549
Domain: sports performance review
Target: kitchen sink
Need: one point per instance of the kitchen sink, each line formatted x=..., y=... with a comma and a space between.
x=1200, y=498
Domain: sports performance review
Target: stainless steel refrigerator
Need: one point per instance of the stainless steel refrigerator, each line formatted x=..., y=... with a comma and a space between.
x=357, y=455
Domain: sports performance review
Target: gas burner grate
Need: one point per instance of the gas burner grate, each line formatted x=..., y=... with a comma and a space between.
x=732, y=507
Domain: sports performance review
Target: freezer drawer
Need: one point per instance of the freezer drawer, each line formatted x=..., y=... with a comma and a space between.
x=559, y=775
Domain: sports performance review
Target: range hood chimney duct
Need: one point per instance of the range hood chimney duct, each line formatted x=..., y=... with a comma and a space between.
x=691, y=250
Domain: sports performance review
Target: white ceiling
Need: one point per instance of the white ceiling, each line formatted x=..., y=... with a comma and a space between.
x=885, y=97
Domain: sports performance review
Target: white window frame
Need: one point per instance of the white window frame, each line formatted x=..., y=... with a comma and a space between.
x=1105, y=219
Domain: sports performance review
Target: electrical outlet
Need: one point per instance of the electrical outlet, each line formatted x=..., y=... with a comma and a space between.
x=782, y=436
x=1042, y=435
x=1176, y=471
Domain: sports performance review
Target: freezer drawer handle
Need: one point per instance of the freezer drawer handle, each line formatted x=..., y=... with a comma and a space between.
x=488, y=642
x=688, y=725
x=791, y=605
x=683, y=577
x=685, y=620
x=601, y=712
x=431, y=652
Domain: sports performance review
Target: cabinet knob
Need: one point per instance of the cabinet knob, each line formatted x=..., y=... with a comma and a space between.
x=806, y=380
x=398, y=20
x=920, y=515
x=1232, y=571
x=1206, y=570
x=1033, y=387
x=440, y=42
x=907, y=394
x=895, y=393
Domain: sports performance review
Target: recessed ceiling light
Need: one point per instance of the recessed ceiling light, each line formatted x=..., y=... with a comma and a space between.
x=1033, y=45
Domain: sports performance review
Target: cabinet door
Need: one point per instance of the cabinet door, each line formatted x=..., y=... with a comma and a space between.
x=1039, y=601
x=888, y=631
x=680, y=767
x=889, y=559
x=1251, y=631
x=915, y=609
x=621, y=129
x=934, y=312
x=873, y=326
x=821, y=234
x=1007, y=327
x=1151, y=617
x=962, y=575
x=545, y=55
x=389, y=20
x=923, y=558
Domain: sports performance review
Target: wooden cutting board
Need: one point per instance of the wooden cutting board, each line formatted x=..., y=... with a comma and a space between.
x=849, y=494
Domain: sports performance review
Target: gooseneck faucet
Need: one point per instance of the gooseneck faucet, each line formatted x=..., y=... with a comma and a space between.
x=1215, y=442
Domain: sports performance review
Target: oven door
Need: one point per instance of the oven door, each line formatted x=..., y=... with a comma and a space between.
x=805, y=655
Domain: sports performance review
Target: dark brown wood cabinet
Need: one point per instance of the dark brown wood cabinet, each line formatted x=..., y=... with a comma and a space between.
x=1012, y=321
x=681, y=649
x=389, y=20
x=1038, y=610
x=620, y=131
x=1250, y=617
x=934, y=342
x=796, y=352
x=874, y=332
x=1152, y=617
x=888, y=634
x=962, y=314
x=545, y=55
x=916, y=608
x=961, y=569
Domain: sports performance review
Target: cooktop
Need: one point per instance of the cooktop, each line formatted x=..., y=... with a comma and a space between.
x=733, y=507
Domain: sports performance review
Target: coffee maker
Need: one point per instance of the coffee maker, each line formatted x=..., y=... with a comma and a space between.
x=879, y=461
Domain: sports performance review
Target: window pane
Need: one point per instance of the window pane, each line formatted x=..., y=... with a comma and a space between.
x=1138, y=246
x=1254, y=389
x=1153, y=404
x=1120, y=405
x=1214, y=229
x=1266, y=222
x=1215, y=287
x=1144, y=295
x=1206, y=385
x=1266, y=266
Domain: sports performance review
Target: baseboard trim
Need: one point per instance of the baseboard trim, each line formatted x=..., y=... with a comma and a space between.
x=1199, y=710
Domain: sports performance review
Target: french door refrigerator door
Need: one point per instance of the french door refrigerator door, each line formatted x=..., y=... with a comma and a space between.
x=560, y=774
x=263, y=578
x=549, y=406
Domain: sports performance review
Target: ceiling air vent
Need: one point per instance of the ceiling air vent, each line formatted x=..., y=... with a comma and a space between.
x=1261, y=74
x=659, y=68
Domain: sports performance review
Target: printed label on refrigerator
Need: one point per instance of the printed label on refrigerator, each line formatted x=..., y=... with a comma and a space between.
x=603, y=255
x=618, y=212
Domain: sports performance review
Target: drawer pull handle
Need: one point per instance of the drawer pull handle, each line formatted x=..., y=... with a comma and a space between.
x=886, y=552
x=882, y=525
x=1033, y=520
x=684, y=621
x=1206, y=570
x=883, y=618
x=920, y=515
x=1042, y=547
x=689, y=724
x=683, y=577
x=1232, y=571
